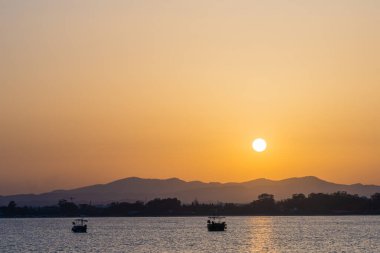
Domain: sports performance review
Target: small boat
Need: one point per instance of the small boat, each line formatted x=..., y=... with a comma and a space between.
x=79, y=226
x=216, y=223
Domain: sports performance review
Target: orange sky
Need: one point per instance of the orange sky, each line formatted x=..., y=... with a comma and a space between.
x=91, y=92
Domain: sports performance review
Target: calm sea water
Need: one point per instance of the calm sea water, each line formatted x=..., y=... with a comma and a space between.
x=244, y=234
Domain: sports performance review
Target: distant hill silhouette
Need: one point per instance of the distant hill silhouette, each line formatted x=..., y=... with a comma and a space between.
x=133, y=189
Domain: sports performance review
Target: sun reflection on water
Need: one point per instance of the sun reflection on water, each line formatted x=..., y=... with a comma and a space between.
x=262, y=234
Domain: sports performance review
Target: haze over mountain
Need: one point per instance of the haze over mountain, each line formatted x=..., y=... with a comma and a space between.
x=134, y=189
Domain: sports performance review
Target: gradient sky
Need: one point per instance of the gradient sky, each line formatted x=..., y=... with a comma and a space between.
x=92, y=91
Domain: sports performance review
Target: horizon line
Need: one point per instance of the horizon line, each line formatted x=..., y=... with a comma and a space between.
x=186, y=181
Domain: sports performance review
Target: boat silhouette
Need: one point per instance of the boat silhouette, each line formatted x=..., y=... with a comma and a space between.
x=79, y=226
x=216, y=223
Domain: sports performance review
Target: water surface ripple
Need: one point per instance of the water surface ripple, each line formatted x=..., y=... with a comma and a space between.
x=189, y=234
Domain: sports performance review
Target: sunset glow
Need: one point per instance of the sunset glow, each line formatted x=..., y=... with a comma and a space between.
x=96, y=91
x=259, y=145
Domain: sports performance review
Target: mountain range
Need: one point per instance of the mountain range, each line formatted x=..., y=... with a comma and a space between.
x=138, y=189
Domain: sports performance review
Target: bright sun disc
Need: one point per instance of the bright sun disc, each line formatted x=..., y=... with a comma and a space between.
x=259, y=145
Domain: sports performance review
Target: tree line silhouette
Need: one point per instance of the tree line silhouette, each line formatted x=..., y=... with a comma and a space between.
x=338, y=203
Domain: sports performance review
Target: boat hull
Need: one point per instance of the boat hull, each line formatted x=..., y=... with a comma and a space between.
x=216, y=227
x=79, y=229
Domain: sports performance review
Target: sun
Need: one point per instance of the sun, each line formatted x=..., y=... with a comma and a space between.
x=259, y=145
